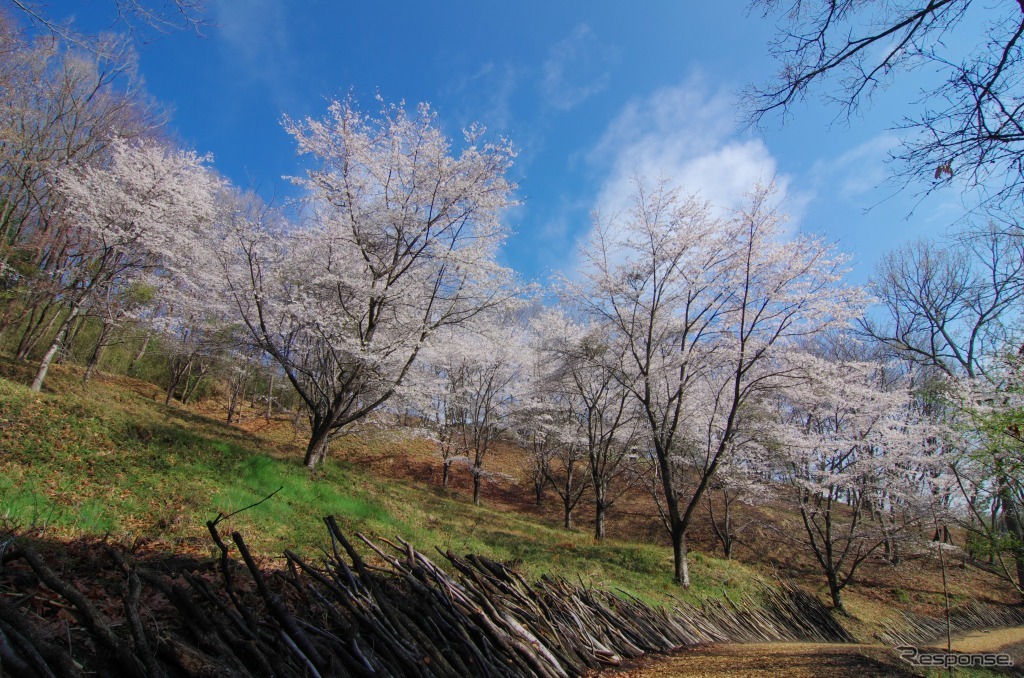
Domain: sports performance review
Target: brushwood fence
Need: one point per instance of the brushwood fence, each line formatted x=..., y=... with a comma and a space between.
x=916, y=630
x=393, y=612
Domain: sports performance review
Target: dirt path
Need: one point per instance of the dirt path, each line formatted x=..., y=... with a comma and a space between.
x=806, y=660
x=985, y=640
x=798, y=660
x=1009, y=641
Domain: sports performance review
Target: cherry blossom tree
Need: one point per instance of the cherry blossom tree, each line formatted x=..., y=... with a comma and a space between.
x=399, y=240
x=538, y=431
x=473, y=376
x=58, y=107
x=701, y=307
x=115, y=306
x=197, y=334
x=599, y=414
x=492, y=385
x=435, y=390
x=141, y=212
x=850, y=445
x=741, y=479
x=545, y=422
x=567, y=475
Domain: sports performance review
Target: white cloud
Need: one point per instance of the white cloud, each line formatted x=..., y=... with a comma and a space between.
x=576, y=69
x=687, y=135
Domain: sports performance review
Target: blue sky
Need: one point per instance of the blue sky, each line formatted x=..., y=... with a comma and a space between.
x=591, y=92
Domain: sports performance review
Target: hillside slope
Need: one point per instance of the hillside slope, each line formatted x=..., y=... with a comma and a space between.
x=110, y=460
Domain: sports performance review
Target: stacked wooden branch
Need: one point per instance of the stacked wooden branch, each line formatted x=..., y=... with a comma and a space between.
x=390, y=612
x=917, y=630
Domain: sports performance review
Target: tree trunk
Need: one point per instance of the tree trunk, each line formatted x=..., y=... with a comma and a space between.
x=69, y=340
x=44, y=366
x=539, y=477
x=97, y=353
x=192, y=386
x=36, y=330
x=233, y=403
x=992, y=530
x=476, y=487
x=600, y=505
x=836, y=592
x=133, y=366
x=181, y=370
x=21, y=351
x=316, y=452
x=567, y=503
x=446, y=469
x=296, y=419
x=1020, y=569
x=170, y=389
x=319, y=440
x=891, y=548
x=1014, y=527
x=724, y=531
x=680, y=556
x=727, y=536
x=674, y=521
x=270, y=397
x=241, y=398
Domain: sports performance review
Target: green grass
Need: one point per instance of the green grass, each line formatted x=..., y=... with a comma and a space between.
x=102, y=460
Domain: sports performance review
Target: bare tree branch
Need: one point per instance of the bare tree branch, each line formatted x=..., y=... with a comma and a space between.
x=969, y=131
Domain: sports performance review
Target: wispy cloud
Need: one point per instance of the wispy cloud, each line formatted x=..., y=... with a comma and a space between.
x=685, y=134
x=859, y=181
x=859, y=171
x=487, y=94
x=257, y=44
x=492, y=95
x=577, y=68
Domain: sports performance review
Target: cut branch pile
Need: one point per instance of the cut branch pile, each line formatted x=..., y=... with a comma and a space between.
x=916, y=630
x=393, y=613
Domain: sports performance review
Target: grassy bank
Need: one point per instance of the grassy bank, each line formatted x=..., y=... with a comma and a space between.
x=109, y=459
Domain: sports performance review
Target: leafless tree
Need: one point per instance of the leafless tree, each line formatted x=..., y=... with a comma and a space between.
x=969, y=129
x=950, y=306
x=130, y=16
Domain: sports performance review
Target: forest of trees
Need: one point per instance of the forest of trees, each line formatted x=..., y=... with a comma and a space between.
x=706, y=356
